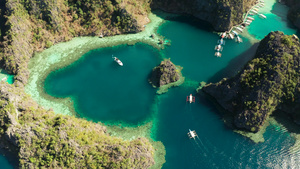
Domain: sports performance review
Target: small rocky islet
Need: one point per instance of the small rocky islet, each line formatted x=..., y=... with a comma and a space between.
x=165, y=73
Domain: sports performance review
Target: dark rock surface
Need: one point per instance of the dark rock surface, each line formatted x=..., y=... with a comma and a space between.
x=221, y=14
x=164, y=74
x=294, y=12
x=42, y=139
x=268, y=82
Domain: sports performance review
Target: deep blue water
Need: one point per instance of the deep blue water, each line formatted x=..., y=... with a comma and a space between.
x=103, y=91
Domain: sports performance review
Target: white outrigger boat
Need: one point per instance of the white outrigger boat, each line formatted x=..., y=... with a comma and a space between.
x=218, y=54
x=230, y=36
x=192, y=134
x=238, y=39
x=221, y=41
x=239, y=29
x=262, y=16
x=117, y=60
x=190, y=98
x=223, y=35
x=218, y=48
x=250, y=18
x=234, y=32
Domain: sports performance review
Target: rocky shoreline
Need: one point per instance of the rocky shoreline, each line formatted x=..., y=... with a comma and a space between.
x=166, y=75
x=44, y=139
x=294, y=12
x=221, y=15
x=267, y=83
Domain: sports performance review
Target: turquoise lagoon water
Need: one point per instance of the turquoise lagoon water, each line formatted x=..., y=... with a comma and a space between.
x=103, y=91
x=276, y=21
x=4, y=163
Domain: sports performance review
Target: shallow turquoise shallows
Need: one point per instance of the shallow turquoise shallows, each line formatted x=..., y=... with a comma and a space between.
x=103, y=91
x=276, y=21
x=4, y=163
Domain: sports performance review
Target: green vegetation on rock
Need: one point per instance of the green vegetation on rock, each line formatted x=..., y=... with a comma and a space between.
x=45, y=139
x=33, y=25
x=267, y=83
x=166, y=75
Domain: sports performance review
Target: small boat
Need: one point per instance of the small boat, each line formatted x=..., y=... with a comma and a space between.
x=295, y=37
x=117, y=60
x=235, y=33
x=223, y=35
x=4, y=79
x=230, y=36
x=192, y=134
x=253, y=11
x=250, y=21
x=239, y=29
x=190, y=98
x=218, y=54
x=221, y=41
x=262, y=16
x=238, y=39
x=218, y=48
x=250, y=18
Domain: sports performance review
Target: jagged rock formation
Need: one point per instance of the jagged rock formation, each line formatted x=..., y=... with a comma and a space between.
x=220, y=13
x=35, y=25
x=165, y=73
x=268, y=82
x=43, y=139
x=294, y=12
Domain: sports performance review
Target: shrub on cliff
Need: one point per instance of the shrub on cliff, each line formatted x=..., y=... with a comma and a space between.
x=47, y=140
x=266, y=83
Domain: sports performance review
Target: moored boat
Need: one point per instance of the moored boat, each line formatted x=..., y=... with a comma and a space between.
x=117, y=60
x=218, y=48
x=218, y=54
x=221, y=41
x=262, y=16
x=238, y=39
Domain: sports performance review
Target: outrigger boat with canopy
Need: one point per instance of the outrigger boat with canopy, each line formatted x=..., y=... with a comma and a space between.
x=192, y=134
x=190, y=98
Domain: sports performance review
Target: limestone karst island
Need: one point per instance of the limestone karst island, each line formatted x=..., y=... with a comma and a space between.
x=127, y=84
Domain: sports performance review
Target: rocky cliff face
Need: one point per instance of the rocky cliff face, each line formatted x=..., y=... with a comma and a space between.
x=294, y=12
x=268, y=82
x=45, y=140
x=35, y=25
x=220, y=13
x=164, y=73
